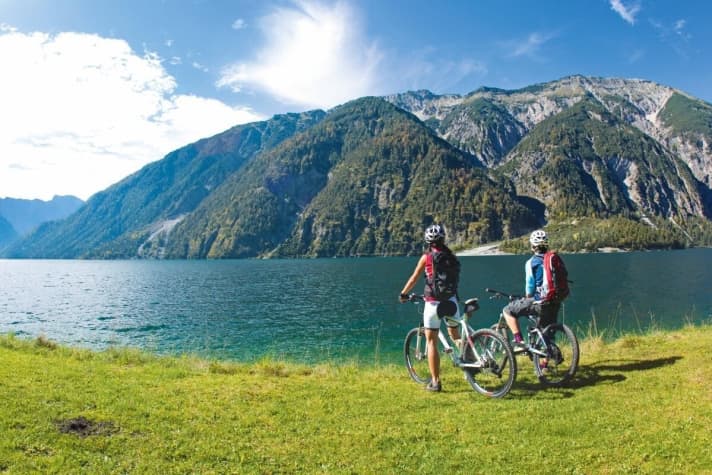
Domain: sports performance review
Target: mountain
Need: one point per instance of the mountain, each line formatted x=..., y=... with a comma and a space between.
x=617, y=146
x=366, y=177
x=122, y=220
x=7, y=232
x=585, y=161
x=363, y=181
x=687, y=131
x=25, y=215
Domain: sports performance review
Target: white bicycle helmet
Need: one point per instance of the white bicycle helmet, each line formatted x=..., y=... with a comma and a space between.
x=434, y=233
x=538, y=238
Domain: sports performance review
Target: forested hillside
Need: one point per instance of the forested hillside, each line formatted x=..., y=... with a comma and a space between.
x=122, y=220
x=7, y=232
x=586, y=162
x=610, y=162
x=362, y=182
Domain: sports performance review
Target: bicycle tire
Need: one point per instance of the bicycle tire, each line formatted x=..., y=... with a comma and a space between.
x=562, y=359
x=497, y=367
x=502, y=329
x=416, y=356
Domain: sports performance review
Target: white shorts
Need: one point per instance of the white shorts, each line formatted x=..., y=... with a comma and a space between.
x=430, y=315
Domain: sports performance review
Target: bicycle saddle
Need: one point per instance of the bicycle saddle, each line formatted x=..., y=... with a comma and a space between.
x=471, y=305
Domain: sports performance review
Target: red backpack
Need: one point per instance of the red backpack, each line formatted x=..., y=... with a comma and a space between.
x=555, y=285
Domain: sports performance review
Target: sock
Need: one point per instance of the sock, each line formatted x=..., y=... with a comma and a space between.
x=518, y=337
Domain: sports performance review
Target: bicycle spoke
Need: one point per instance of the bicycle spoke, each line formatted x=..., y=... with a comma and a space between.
x=559, y=361
x=416, y=356
x=495, y=368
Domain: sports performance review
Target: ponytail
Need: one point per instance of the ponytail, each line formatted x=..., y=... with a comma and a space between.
x=440, y=245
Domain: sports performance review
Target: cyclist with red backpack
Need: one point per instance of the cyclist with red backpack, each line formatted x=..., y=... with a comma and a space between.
x=546, y=286
x=442, y=272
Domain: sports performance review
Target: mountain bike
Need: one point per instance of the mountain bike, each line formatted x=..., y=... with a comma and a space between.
x=554, y=350
x=483, y=355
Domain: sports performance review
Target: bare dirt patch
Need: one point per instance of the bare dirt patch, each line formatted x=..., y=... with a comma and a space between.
x=84, y=427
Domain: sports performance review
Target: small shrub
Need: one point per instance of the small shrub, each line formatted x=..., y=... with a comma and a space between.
x=43, y=342
x=221, y=368
x=628, y=341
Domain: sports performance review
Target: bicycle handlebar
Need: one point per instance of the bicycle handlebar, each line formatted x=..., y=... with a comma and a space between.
x=500, y=294
x=412, y=297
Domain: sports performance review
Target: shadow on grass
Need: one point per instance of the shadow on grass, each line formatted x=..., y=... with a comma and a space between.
x=605, y=372
x=591, y=375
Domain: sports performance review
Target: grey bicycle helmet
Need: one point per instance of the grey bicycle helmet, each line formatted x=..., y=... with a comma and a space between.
x=538, y=238
x=434, y=233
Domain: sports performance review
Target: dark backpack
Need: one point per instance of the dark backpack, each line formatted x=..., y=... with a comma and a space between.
x=446, y=275
x=555, y=285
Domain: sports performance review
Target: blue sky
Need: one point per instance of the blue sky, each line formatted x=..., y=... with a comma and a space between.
x=92, y=90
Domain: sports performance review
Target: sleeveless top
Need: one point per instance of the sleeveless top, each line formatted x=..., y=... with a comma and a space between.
x=428, y=291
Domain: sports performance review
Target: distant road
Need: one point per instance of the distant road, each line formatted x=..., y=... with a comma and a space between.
x=491, y=249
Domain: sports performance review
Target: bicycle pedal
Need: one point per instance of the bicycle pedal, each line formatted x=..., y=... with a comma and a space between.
x=519, y=349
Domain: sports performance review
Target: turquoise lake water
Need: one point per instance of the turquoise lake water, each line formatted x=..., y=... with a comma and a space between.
x=313, y=310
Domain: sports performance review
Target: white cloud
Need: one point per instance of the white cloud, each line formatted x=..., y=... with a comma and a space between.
x=199, y=66
x=239, y=24
x=627, y=12
x=429, y=69
x=636, y=55
x=679, y=29
x=315, y=55
x=530, y=46
x=79, y=112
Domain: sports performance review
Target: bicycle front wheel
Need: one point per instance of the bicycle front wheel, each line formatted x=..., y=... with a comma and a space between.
x=416, y=356
x=490, y=367
x=562, y=356
x=502, y=328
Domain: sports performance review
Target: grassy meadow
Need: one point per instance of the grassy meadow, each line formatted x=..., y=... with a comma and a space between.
x=639, y=404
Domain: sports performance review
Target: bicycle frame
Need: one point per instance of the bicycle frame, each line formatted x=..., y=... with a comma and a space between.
x=533, y=329
x=544, y=347
x=536, y=335
x=483, y=355
x=453, y=351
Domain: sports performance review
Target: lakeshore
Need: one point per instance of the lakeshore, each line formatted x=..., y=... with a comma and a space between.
x=491, y=249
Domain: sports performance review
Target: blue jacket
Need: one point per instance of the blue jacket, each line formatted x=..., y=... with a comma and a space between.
x=534, y=275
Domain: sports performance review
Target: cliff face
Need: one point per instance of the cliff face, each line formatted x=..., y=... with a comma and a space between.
x=661, y=162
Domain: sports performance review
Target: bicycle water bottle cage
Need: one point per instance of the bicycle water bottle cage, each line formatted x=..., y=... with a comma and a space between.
x=447, y=308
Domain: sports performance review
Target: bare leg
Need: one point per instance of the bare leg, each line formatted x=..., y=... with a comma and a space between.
x=512, y=322
x=454, y=333
x=431, y=337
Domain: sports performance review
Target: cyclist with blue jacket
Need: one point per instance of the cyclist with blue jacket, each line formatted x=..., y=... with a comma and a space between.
x=531, y=303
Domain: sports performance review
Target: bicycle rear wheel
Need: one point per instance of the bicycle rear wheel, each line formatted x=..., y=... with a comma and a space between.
x=495, y=367
x=416, y=356
x=562, y=358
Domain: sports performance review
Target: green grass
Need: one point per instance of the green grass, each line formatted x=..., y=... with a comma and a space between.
x=639, y=404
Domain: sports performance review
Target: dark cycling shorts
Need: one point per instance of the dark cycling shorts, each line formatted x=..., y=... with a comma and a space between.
x=528, y=306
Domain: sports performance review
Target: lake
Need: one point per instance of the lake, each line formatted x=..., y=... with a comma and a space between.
x=321, y=309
